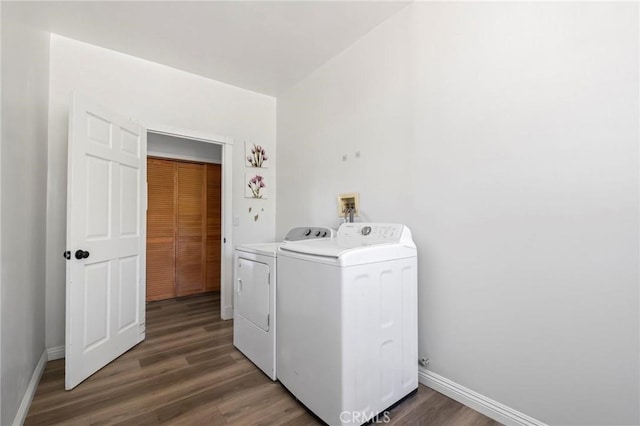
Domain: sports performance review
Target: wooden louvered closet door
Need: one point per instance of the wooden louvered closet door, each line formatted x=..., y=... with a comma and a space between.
x=183, y=236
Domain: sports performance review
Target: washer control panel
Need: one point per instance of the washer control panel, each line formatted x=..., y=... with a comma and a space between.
x=371, y=233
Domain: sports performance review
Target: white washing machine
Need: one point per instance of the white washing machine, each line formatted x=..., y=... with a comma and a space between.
x=254, y=307
x=347, y=342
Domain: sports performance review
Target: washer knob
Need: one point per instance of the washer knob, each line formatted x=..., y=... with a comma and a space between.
x=366, y=230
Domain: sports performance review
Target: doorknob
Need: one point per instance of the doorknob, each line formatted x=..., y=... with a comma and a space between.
x=81, y=254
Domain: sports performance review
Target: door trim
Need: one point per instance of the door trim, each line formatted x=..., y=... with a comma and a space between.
x=226, y=250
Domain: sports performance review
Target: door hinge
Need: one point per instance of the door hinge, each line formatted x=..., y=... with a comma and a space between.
x=268, y=319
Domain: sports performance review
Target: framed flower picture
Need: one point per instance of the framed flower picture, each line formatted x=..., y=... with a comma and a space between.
x=255, y=155
x=255, y=186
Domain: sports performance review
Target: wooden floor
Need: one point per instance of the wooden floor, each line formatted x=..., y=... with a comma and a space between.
x=187, y=372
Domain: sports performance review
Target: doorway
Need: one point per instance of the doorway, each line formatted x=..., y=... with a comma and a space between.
x=188, y=146
x=106, y=232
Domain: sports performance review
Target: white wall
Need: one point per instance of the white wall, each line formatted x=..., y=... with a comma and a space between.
x=506, y=136
x=156, y=95
x=25, y=89
x=358, y=102
x=166, y=146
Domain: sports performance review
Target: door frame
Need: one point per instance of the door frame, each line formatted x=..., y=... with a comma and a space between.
x=226, y=249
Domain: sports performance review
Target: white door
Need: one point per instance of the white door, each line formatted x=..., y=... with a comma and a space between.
x=106, y=228
x=252, y=292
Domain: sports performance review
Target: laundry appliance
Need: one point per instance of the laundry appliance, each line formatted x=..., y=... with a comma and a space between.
x=347, y=339
x=254, y=307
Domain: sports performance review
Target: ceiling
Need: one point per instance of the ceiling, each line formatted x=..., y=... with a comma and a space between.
x=263, y=46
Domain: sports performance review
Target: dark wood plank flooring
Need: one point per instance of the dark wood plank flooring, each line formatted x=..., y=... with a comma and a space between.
x=187, y=372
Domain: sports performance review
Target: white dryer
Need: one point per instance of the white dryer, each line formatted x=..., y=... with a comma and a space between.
x=254, y=307
x=347, y=321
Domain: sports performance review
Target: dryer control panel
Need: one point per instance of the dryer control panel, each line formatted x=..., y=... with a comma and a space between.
x=309, y=233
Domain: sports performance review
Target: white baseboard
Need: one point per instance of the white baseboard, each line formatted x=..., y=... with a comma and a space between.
x=23, y=410
x=487, y=406
x=56, y=352
x=227, y=313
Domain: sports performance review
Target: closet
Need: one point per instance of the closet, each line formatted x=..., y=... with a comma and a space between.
x=183, y=228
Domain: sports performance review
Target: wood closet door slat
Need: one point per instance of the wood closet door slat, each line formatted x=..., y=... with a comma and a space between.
x=161, y=229
x=191, y=229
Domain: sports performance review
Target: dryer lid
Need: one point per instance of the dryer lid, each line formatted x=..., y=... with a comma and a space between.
x=265, y=249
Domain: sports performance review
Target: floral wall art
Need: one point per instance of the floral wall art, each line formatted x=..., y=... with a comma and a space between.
x=256, y=155
x=256, y=186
